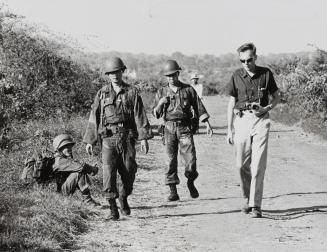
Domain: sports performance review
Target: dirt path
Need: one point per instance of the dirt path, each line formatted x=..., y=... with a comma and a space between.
x=294, y=205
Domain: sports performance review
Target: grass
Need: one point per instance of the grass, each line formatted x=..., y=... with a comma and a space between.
x=34, y=218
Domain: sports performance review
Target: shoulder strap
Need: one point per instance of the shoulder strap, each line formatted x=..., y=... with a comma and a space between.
x=102, y=97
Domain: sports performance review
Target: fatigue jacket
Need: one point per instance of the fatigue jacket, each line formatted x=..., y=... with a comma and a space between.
x=183, y=105
x=126, y=107
x=66, y=164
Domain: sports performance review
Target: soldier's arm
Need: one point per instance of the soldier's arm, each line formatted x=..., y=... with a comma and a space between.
x=91, y=132
x=141, y=119
x=158, y=107
x=198, y=107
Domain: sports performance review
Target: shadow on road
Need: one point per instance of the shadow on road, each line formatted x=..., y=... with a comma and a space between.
x=294, y=213
x=297, y=193
x=195, y=214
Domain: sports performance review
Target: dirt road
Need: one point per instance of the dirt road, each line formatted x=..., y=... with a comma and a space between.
x=294, y=205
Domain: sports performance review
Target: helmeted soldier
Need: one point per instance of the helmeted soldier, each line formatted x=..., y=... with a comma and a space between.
x=69, y=173
x=181, y=110
x=117, y=119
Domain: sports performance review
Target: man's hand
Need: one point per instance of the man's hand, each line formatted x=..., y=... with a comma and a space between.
x=89, y=149
x=261, y=110
x=209, y=131
x=95, y=170
x=163, y=100
x=144, y=146
x=230, y=138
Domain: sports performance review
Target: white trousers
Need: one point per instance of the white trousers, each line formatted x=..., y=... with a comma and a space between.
x=251, y=145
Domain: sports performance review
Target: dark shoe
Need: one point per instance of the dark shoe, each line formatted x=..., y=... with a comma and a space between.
x=246, y=209
x=124, y=207
x=256, y=212
x=114, y=214
x=173, y=196
x=193, y=191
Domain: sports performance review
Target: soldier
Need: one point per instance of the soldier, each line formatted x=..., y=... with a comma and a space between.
x=249, y=91
x=174, y=103
x=69, y=173
x=117, y=120
x=196, y=85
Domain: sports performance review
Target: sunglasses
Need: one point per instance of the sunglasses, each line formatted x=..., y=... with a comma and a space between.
x=247, y=61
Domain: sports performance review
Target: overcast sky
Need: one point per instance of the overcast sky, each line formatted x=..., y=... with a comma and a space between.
x=188, y=26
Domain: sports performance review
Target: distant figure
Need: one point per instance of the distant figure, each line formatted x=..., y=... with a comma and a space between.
x=174, y=103
x=249, y=90
x=196, y=85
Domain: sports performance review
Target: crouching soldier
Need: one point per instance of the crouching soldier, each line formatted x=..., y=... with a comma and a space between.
x=69, y=173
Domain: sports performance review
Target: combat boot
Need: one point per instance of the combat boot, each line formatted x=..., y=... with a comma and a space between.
x=114, y=214
x=124, y=207
x=191, y=187
x=173, y=196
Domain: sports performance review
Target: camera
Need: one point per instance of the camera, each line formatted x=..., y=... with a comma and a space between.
x=252, y=106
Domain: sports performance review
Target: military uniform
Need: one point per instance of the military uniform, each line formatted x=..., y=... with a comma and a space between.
x=180, y=125
x=118, y=120
x=71, y=175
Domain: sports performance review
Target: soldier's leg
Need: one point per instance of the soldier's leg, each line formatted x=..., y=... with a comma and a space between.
x=172, y=153
x=242, y=145
x=110, y=161
x=70, y=184
x=128, y=168
x=188, y=155
x=259, y=161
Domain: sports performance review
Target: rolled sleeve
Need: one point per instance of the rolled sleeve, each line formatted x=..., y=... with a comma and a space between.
x=141, y=120
x=231, y=90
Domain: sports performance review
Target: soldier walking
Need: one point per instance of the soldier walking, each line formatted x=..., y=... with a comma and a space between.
x=174, y=103
x=249, y=90
x=117, y=119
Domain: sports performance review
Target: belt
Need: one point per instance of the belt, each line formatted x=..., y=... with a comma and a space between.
x=181, y=123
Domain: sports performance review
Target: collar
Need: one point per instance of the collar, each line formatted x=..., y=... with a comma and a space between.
x=245, y=73
x=109, y=88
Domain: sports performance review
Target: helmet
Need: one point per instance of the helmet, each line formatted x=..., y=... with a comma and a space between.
x=171, y=67
x=194, y=76
x=113, y=65
x=61, y=141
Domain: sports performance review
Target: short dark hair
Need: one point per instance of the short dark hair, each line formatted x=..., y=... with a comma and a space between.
x=247, y=46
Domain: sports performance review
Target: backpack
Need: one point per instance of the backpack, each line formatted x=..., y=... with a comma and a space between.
x=40, y=167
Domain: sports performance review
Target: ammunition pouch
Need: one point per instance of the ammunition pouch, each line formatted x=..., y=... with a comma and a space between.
x=112, y=129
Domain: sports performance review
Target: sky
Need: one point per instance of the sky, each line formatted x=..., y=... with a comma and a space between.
x=187, y=26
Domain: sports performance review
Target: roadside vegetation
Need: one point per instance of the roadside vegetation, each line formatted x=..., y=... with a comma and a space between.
x=47, y=87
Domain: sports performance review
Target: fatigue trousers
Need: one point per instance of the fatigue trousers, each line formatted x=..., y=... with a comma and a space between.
x=75, y=180
x=118, y=154
x=179, y=136
x=251, y=145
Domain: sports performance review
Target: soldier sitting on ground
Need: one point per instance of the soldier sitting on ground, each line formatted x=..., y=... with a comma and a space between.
x=68, y=173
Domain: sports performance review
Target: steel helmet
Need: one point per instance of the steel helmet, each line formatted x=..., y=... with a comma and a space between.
x=61, y=141
x=171, y=67
x=114, y=64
